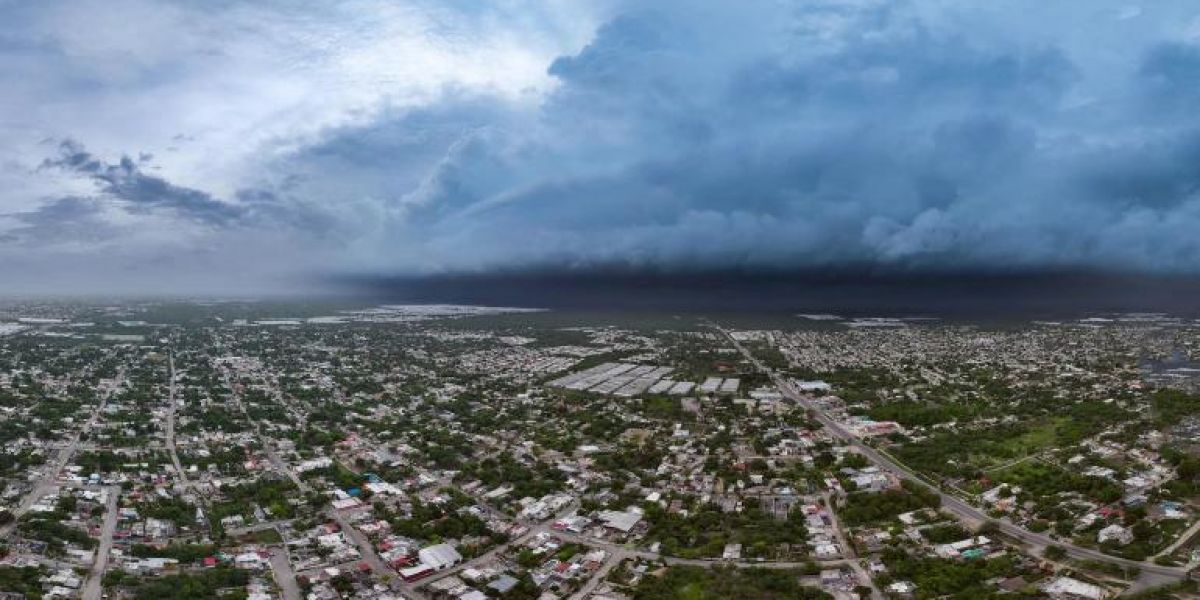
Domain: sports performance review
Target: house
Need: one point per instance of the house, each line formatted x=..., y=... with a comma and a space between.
x=826, y=550
x=439, y=556
x=158, y=529
x=64, y=578
x=574, y=524
x=415, y=573
x=832, y=577
x=151, y=565
x=503, y=584
x=622, y=521
x=1065, y=588
x=971, y=547
x=871, y=479
x=1115, y=533
x=346, y=503
x=1002, y=497
x=813, y=386
x=1012, y=584
x=249, y=560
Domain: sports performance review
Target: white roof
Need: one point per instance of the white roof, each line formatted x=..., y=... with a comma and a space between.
x=439, y=555
x=1073, y=587
x=624, y=521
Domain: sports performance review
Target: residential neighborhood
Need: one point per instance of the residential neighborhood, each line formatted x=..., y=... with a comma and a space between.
x=458, y=453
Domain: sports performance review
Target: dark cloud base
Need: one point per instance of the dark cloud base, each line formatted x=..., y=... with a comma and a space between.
x=850, y=292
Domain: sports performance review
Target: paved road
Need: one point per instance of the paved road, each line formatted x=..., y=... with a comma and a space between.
x=1181, y=540
x=281, y=569
x=266, y=442
x=49, y=478
x=283, y=573
x=364, y=545
x=614, y=559
x=848, y=551
x=950, y=502
x=92, y=588
x=172, y=408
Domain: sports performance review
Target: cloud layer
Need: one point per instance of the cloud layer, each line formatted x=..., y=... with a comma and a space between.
x=258, y=143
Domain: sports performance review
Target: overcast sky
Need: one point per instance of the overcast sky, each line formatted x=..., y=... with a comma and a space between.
x=229, y=146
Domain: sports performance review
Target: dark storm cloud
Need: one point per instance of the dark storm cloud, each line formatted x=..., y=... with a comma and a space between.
x=126, y=182
x=1171, y=74
x=815, y=135
x=911, y=136
x=68, y=219
x=71, y=209
x=1155, y=174
x=847, y=291
x=137, y=191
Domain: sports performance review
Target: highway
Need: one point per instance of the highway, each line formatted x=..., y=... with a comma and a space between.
x=954, y=504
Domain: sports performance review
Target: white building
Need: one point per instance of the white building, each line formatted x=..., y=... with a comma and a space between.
x=621, y=521
x=1115, y=533
x=813, y=386
x=439, y=556
x=1065, y=588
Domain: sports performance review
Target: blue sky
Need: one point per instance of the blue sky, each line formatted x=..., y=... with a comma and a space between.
x=244, y=146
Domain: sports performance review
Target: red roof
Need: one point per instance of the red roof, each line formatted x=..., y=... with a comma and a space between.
x=211, y=561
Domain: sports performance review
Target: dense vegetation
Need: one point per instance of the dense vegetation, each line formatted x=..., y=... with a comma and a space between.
x=948, y=579
x=863, y=508
x=696, y=583
x=24, y=580
x=202, y=585
x=705, y=531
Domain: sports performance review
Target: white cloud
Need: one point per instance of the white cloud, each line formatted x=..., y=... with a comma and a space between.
x=218, y=92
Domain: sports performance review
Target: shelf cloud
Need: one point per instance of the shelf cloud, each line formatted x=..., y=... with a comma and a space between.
x=257, y=144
